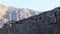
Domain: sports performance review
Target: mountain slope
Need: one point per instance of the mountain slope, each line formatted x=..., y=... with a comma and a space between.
x=45, y=23
x=12, y=13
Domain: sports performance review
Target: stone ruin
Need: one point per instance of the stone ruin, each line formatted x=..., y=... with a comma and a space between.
x=47, y=22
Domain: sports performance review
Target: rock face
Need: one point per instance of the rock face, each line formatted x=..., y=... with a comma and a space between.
x=45, y=23
x=12, y=13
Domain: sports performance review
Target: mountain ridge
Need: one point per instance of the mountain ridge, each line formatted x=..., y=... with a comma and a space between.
x=45, y=23
x=13, y=13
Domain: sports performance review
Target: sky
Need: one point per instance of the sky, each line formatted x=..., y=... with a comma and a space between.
x=41, y=5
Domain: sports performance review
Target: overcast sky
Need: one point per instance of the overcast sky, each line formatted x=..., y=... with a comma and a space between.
x=41, y=5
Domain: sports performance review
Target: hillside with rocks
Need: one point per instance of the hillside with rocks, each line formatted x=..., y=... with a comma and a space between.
x=47, y=22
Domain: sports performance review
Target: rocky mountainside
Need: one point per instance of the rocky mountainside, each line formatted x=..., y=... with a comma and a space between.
x=12, y=13
x=45, y=23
